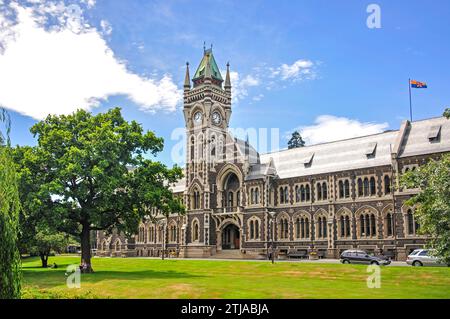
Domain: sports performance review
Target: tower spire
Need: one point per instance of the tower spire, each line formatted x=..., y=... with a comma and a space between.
x=227, y=79
x=187, y=78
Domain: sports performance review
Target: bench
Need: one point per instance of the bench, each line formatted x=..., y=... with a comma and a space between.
x=321, y=253
x=298, y=254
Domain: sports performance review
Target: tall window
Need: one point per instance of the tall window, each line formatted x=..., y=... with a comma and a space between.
x=366, y=186
x=367, y=224
x=284, y=228
x=302, y=193
x=346, y=188
x=360, y=187
x=319, y=191
x=254, y=229
x=307, y=193
x=413, y=225
x=387, y=184
x=324, y=191
x=297, y=194
x=373, y=190
x=302, y=228
x=284, y=195
x=192, y=148
x=341, y=189
x=345, y=226
x=322, y=227
x=195, y=231
x=389, y=225
x=196, y=200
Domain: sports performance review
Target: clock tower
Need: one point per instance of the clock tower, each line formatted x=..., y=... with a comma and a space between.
x=207, y=111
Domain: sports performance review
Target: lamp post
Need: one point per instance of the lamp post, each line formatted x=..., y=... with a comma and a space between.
x=272, y=227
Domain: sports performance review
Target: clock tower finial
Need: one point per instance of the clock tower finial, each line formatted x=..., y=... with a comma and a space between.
x=187, y=79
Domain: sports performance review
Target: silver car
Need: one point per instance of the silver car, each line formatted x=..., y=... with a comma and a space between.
x=423, y=257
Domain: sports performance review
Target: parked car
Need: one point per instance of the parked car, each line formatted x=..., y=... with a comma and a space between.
x=361, y=257
x=423, y=257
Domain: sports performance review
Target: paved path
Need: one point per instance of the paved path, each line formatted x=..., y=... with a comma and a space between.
x=320, y=261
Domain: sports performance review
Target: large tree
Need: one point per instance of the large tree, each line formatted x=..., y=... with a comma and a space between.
x=296, y=141
x=433, y=202
x=447, y=113
x=10, y=274
x=94, y=169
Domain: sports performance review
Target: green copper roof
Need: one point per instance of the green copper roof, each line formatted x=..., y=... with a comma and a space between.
x=208, y=61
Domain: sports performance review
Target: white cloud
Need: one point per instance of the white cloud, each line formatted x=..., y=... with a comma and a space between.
x=57, y=70
x=327, y=128
x=240, y=86
x=300, y=69
x=106, y=27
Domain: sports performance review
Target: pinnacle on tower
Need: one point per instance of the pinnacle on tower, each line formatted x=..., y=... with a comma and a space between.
x=227, y=79
x=187, y=79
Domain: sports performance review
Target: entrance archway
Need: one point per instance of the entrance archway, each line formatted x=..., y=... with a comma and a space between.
x=231, y=237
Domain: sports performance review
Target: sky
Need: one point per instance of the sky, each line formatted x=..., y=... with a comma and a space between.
x=313, y=66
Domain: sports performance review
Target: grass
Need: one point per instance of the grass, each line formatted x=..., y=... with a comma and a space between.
x=151, y=278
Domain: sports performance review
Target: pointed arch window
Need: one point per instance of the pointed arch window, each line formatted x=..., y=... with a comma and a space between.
x=373, y=189
x=308, y=193
x=360, y=188
x=387, y=184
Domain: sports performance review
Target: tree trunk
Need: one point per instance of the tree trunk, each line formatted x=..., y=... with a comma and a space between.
x=44, y=260
x=85, y=237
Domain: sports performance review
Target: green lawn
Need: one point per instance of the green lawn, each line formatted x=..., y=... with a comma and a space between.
x=150, y=278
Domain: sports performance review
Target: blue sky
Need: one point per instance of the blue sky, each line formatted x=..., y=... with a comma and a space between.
x=356, y=76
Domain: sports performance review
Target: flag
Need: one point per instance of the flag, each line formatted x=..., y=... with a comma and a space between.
x=418, y=85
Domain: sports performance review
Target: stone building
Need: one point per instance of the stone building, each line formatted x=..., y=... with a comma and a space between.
x=324, y=198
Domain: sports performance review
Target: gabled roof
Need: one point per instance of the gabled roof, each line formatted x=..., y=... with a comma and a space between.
x=362, y=152
x=333, y=156
x=419, y=139
x=208, y=67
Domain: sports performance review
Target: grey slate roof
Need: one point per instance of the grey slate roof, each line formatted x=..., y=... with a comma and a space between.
x=416, y=141
x=355, y=153
x=361, y=152
x=333, y=156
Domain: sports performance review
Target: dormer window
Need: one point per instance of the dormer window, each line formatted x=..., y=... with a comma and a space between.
x=307, y=160
x=371, y=150
x=434, y=134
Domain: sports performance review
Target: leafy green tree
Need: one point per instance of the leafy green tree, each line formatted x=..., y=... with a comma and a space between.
x=45, y=242
x=96, y=174
x=296, y=141
x=433, y=202
x=447, y=113
x=10, y=273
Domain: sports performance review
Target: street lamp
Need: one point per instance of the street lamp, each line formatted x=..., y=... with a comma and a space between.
x=272, y=227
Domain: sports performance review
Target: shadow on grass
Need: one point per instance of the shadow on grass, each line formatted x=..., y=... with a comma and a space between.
x=52, y=277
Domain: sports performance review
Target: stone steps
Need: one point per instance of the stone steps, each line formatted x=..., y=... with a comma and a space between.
x=228, y=254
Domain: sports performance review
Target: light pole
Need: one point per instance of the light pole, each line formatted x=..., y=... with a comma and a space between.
x=272, y=227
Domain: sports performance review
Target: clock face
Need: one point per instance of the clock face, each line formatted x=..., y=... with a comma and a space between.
x=216, y=118
x=198, y=117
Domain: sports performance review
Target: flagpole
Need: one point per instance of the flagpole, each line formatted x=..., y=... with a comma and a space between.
x=410, y=104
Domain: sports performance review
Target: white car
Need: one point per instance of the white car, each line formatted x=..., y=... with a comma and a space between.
x=422, y=257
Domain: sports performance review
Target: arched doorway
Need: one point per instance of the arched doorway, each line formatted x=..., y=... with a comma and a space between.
x=231, y=237
x=231, y=195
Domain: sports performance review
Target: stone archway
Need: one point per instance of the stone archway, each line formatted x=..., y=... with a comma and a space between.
x=231, y=237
